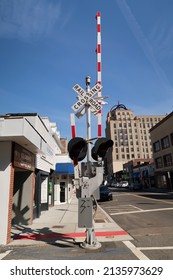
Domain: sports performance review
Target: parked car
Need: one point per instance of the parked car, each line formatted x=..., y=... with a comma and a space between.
x=135, y=187
x=105, y=193
x=124, y=184
x=115, y=185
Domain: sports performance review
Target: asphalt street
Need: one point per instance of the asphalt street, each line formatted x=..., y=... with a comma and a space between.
x=145, y=216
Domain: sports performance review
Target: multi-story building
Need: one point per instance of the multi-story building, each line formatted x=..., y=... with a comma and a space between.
x=34, y=173
x=162, y=141
x=131, y=136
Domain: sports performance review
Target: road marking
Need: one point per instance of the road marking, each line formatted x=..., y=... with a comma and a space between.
x=135, y=250
x=123, y=194
x=141, y=211
x=68, y=235
x=156, y=248
x=150, y=198
x=3, y=255
x=122, y=206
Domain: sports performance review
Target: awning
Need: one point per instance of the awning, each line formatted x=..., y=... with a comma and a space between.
x=64, y=168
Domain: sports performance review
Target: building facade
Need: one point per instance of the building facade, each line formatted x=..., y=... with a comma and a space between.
x=131, y=136
x=29, y=150
x=162, y=141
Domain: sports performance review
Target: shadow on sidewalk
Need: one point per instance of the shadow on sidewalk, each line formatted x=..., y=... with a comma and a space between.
x=44, y=234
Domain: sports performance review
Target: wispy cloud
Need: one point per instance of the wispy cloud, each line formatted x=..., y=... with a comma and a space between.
x=28, y=19
x=161, y=38
x=144, y=44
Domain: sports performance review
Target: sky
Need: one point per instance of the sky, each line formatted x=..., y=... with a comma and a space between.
x=48, y=46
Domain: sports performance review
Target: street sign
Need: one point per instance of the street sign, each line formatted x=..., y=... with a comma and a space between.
x=86, y=98
x=85, y=207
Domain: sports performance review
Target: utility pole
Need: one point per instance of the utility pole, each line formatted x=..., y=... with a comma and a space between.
x=90, y=241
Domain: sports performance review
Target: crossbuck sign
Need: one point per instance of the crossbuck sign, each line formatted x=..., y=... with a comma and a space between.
x=86, y=98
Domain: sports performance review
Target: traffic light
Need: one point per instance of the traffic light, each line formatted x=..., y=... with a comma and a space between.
x=77, y=148
x=101, y=147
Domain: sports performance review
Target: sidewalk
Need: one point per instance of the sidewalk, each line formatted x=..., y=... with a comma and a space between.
x=60, y=224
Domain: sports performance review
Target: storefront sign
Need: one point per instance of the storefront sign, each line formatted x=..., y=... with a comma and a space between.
x=23, y=158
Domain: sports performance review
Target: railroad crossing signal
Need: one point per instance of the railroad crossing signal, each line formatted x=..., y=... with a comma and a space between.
x=86, y=98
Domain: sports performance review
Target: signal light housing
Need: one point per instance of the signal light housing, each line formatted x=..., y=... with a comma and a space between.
x=101, y=147
x=77, y=148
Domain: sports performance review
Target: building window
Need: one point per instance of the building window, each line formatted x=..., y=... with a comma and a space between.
x=171, y=135
x=165, y=142
x=156, y=146
x=167, y=159
x=158, y=162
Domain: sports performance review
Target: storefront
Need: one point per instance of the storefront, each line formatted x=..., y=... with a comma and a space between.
x=23, y=185
x=63, y=182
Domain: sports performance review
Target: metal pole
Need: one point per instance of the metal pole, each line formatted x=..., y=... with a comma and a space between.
x=88, y=119
x=90, y=241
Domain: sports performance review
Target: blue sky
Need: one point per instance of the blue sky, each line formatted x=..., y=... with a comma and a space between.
x=47, y=46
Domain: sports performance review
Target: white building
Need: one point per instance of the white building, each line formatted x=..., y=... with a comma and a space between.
x=29, y=148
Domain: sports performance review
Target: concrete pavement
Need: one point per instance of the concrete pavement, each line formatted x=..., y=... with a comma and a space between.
x=60, y=223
